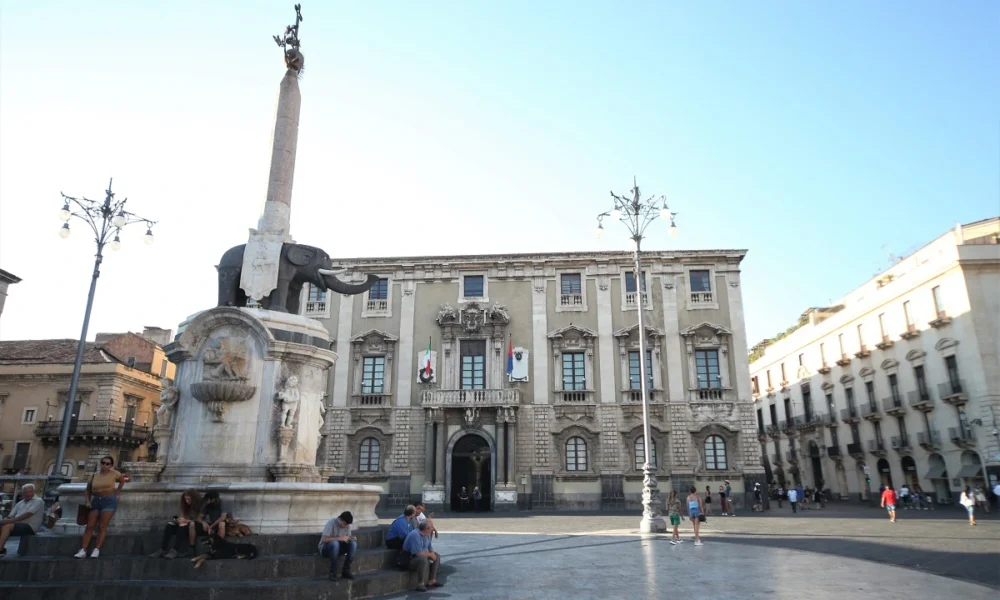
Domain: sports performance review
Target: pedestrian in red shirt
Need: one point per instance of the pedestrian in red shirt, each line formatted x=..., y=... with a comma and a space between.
x=889, y=503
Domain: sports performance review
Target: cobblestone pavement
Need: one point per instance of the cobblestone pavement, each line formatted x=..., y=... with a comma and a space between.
x=938, y=543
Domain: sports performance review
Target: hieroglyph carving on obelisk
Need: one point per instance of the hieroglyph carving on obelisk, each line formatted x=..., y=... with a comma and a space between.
x=260, y=261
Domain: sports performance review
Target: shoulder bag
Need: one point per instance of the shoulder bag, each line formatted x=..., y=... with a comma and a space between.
x=83, y=511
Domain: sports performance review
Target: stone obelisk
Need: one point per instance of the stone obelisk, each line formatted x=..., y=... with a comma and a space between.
x=260, y=260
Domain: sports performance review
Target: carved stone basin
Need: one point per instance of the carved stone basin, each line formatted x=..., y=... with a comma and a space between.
x=217, y=394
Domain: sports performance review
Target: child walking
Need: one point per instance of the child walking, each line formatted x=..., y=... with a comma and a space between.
x=674, y=512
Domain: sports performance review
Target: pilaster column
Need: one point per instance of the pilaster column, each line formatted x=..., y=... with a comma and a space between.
x=539, y=341
x=511, y=452
x=672, y=345
x=501, y=450
x=341, y=372
x=405, y=371
x=605, y=340
x=441, y=435
x=428, y=448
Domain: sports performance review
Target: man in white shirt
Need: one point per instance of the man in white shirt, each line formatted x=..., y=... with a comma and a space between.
x=904, y=494
x=24, y=519
x=423, y=516
x=793, y=499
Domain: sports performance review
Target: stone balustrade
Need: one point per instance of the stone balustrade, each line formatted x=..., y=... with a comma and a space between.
x=470, y=398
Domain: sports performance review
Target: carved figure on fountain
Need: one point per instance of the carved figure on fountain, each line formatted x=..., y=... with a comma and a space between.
x=225, y=360
x=168, y=400
x=298, y=264
x=289, y=397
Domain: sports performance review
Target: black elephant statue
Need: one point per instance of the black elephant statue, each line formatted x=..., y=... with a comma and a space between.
x=298, y=265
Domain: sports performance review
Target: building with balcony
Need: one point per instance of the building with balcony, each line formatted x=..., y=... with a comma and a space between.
x=118, y=394
x=904, y=370
x=421, y=402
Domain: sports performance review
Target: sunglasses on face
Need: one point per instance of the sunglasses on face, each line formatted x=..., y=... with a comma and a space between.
x=107, y=464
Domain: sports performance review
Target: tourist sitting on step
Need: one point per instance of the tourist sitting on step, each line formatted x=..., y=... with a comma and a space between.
x=24, y=519
x=212, y=517
x=337, y=540
x=183, y=529
x=399, y=529
x=423, y=515
x=418, y=555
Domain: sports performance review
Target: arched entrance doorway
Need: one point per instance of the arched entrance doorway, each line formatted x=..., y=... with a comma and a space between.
x=885, y=473
x=909, y=472
x=972, y=470
x=937, y=474
x=817, y=466
x=841, y=480
x=863, y=484
x=471, y=468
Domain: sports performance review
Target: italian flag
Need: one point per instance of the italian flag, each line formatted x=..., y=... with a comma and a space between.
x=427, y=359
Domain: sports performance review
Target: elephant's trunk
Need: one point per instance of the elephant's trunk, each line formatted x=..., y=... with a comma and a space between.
x=349, y=289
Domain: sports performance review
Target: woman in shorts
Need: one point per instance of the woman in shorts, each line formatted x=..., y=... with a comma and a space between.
x=674, y=512
x=695, y=512
x=708, y=500
x=968, y=500
x=101, y=497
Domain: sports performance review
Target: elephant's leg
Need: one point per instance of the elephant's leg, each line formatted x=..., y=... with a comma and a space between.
x=229, y=283
x=280, y=295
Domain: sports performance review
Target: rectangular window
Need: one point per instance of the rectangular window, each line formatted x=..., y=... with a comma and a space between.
x=908, y=315
x=630, y=282
x=570, y=283
x=861, y=336
x=756, y=384
x=774, y=414
x=473, y=286
x=901, y=423
x=840, y=342
x=830, y=407
x=473, y=355
x=822, y=353
x=849, y=395
x=802, y=359
x=769, y=385
x=707, y=365
x=163, y=369
x=788, y=409
x=938, y=302
x=807, y=402
x=633, y=370
x=22, y=456
x=760, y=420
x=373, y=375
x=881, y=326
x=894, y=388
x=878, y=433
x=29, y=416
x=379, y=291
x=951, y=364
x=834, y=438
x=784, y=377
x=870, y=393
x=573, y=371
x=316, y=294
x=855, y=433
x=918, y=372
x=701, y=280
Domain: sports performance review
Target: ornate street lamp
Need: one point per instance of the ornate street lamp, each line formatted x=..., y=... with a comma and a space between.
x=637, y=214
x=106, y=219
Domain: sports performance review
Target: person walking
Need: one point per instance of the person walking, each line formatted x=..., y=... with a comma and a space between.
x=696, y=513
x=968, y=500
x=674, y=513
x=904, y=496
x=793, y=499
x=722, y=500
x=101, y=497
x=729, y=500
x=889, y=503
x=707, y=507
x=981, y=499
x=781, y=497
x=758, y=500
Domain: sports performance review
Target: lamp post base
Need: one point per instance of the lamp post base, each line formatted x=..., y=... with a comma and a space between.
x=652, y=525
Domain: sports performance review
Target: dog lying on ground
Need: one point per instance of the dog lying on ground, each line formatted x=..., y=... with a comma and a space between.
x=236, y=529
x=219, y=548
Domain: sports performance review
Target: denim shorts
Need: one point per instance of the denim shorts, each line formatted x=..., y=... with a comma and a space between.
x=107, y=503
x=971, y=509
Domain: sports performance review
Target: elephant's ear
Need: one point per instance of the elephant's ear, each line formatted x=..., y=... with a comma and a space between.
x=300, y=255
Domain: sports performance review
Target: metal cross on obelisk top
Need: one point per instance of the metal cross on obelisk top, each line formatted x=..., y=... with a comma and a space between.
x=260, y=260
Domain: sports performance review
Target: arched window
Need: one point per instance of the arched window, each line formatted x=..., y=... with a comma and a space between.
x=576, y=454
x=640, y=453
x=369, y=457
x=715, y=453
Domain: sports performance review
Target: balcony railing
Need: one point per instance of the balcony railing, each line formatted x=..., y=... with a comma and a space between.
x=921, y=400
x=786, y=426
x=709, y=394
x=581, y=397
x=772, y=430
x=376, y=306
x=962, y=436
x=16, y=462
x=566, y=300
x=833, y=451
x=632, y=299
x=316, y=307
x=635, y=396
x=953, y=392
x=462, y=398
x=893, y=405
x=96, y=429
x=702, y=298
x=372, y=399
x=877, y=447
x=930, y=440
x=777, y=458
x=849, y=415
x=792, y=455
x=901, y=443
x=870, y=411
x=855, y=449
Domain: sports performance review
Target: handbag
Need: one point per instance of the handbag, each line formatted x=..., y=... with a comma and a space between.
x=82, y=513
x=702, y=518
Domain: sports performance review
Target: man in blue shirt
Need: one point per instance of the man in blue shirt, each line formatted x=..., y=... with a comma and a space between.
x=423, y=559
x=400, y=528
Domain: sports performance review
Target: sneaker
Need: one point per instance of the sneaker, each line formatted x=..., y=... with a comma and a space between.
x=674, y=542
x=95, y=554
x=157, y=554
x=698, y=543
x=171, y=554
x=3, y=552
x=421, y=588
x=81, y=553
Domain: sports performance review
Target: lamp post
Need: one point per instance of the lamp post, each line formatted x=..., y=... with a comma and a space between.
x=637, y=214
x=105, y=219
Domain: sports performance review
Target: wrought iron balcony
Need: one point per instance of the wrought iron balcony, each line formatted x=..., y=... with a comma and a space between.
x=856, y=450
x=870, y=411
x=963, y=437
x=772, y=430
x=911, y=332
x=885, y=344
x=833, y=452
x=877, y=447
x=95, y=431
x=893, y=405
x=777, y=458
x=863, y=352
x=16, y=462
x=953, y=392
x=929, y=440
x=849, y=415
x=476, y=398
x=901, y=444
x=921, y=400
x=792, y=455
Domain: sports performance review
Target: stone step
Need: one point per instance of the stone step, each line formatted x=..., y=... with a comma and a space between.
x=364, y=586
x=42, y=569
x=142, y=544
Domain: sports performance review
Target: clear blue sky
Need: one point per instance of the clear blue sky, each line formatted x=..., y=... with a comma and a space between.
x=812, y=134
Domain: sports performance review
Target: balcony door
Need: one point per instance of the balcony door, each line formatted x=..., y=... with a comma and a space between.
x=472, y=354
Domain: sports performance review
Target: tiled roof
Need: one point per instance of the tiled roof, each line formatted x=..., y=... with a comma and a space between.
x=48, y=352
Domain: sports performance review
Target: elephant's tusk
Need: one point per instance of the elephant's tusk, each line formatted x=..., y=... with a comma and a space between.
x=331, y=271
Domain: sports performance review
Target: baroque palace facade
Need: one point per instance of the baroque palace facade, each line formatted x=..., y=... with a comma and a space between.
x=563, y=429
x=897, y=383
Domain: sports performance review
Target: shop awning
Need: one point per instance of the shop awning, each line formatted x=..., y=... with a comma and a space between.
x=970, y=471
x=937, y=472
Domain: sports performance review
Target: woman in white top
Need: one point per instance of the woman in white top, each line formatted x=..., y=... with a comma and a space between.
x=968, y=500
x=696, y=508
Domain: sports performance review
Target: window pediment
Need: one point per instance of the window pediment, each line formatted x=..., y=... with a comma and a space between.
x=889, y=363
x=914, y=355
x=572, y=337
x=867, y=373
x=712, y=328
x=629, y=335
x=946, y=344
x=374, y=341
x=827, y=386
x=848, y=379
x=706, y=335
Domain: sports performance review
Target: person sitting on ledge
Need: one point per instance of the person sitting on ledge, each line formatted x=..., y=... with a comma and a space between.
x=399, y=529
x=422, y=515
x=337, y=540
x=24, y=519
x=187, y=522
x=422, y=557
x=213, y=518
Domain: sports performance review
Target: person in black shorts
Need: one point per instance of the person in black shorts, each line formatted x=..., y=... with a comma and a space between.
x=708, y=500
